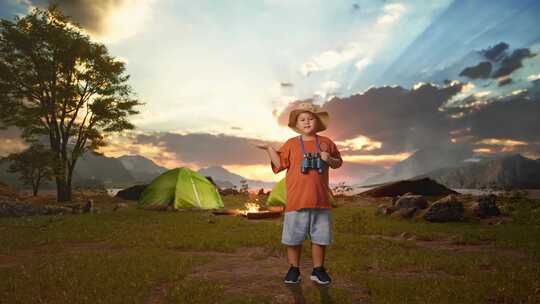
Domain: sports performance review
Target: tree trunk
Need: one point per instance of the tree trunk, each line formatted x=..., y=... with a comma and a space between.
x=63, y=193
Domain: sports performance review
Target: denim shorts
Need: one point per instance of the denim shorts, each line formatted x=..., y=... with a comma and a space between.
x=315, y=223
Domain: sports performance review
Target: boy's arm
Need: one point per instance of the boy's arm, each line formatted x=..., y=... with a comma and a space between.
x=334, y=159
x=334, y=163
x=274, y=157
x=279, y=160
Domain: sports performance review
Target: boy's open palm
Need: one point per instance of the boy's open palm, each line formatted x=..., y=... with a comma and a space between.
x=262, y=146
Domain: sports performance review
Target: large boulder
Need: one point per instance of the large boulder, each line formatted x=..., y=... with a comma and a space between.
x=132, y=193
x=383, y=209
x=405, y=212
x=485, y=206
x=423, y=186
x=447, y=209
x=412, y=201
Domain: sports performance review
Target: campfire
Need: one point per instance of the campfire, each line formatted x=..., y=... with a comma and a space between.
x=253, y=210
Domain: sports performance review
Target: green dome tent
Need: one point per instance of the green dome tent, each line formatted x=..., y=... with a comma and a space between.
x=181, y=188
x=278, y=195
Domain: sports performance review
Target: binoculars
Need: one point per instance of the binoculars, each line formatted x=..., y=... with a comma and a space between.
x=312, y=161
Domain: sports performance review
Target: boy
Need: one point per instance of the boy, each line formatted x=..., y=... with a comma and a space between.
x=307, y=211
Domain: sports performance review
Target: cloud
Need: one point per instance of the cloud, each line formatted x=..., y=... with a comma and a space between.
x=512, y=62
x=331, y=59
x=362, y=63
x=105, y=19
x=496, y=52
x=203, y=149
x=286, y=84
x=400, y=119
x=481, y=70
x=514, y=117
x=504, y=81
x=392, y=13
x=533, y=77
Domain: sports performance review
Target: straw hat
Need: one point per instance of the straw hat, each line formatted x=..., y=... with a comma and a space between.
x=323, y=118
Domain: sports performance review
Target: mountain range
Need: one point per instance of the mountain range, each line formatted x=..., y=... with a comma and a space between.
x=512, y=171
x=460, y=171
x=118, y=172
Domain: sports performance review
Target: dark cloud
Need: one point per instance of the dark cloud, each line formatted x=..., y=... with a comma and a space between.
x=496, y=52
x=90, y=14
x=403, y=120
x=354, y=173
x=206, y=149
x=514, y=118
x=481, y=70
x=504, y=81
x=512, y=62
x=286, y=84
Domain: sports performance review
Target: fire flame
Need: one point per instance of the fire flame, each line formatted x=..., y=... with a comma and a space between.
x=252, y=207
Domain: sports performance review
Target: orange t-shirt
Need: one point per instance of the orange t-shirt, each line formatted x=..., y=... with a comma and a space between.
x=310, y=190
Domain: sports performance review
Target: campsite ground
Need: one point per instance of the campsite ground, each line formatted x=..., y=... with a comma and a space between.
x=137, y=256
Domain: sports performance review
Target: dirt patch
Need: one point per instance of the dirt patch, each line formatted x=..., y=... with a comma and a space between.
x=252, y=270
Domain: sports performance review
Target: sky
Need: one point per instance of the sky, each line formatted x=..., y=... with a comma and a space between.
x=395, y=76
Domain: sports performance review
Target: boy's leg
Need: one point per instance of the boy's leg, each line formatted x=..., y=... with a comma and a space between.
x=317, y=254
x=293, y=255
x=321, y=236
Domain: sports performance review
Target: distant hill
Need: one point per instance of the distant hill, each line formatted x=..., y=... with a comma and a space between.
x=141, y=168
x=510, y=171
x=93, y=170
x=422, y=161
x=226, y=179
x=127, y=170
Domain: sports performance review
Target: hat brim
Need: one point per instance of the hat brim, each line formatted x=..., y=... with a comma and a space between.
x=323, y=119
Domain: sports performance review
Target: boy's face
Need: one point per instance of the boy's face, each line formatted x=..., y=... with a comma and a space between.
x=307, y=123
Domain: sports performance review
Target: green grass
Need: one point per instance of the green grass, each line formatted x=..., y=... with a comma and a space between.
x=123, y=256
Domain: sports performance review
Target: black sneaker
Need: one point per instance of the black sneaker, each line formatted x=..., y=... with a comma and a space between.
x=293, y=275
x=320, y=276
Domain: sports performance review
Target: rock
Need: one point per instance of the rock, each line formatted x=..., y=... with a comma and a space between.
x=88, y=207
x=406, y=235
x=18, y=209
x=119, y=206
x=447, y=209
x=132, y=193
x=383, y=209
x=404, y=212
x=228, y=191
x=485, y=206
x=412, y=201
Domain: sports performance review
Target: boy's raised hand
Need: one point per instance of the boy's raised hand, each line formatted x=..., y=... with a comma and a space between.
x=263, y=146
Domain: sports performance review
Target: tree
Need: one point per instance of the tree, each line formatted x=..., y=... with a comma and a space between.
x=33, y=164
x=58, y=84
x=244, y=186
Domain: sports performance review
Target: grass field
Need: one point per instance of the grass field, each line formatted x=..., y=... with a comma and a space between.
x=137, y=256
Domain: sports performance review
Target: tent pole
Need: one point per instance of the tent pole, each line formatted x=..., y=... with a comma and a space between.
x=195, y=191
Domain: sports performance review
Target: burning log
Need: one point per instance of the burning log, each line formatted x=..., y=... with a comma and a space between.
x=226, y=212
x=263, y=215
x=252, y=210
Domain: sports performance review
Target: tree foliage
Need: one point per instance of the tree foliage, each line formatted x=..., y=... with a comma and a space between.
x=33, y=165
x=55, y=83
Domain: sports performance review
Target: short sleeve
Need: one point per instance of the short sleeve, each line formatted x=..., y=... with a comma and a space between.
x=334, y=152
x=284, y=158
